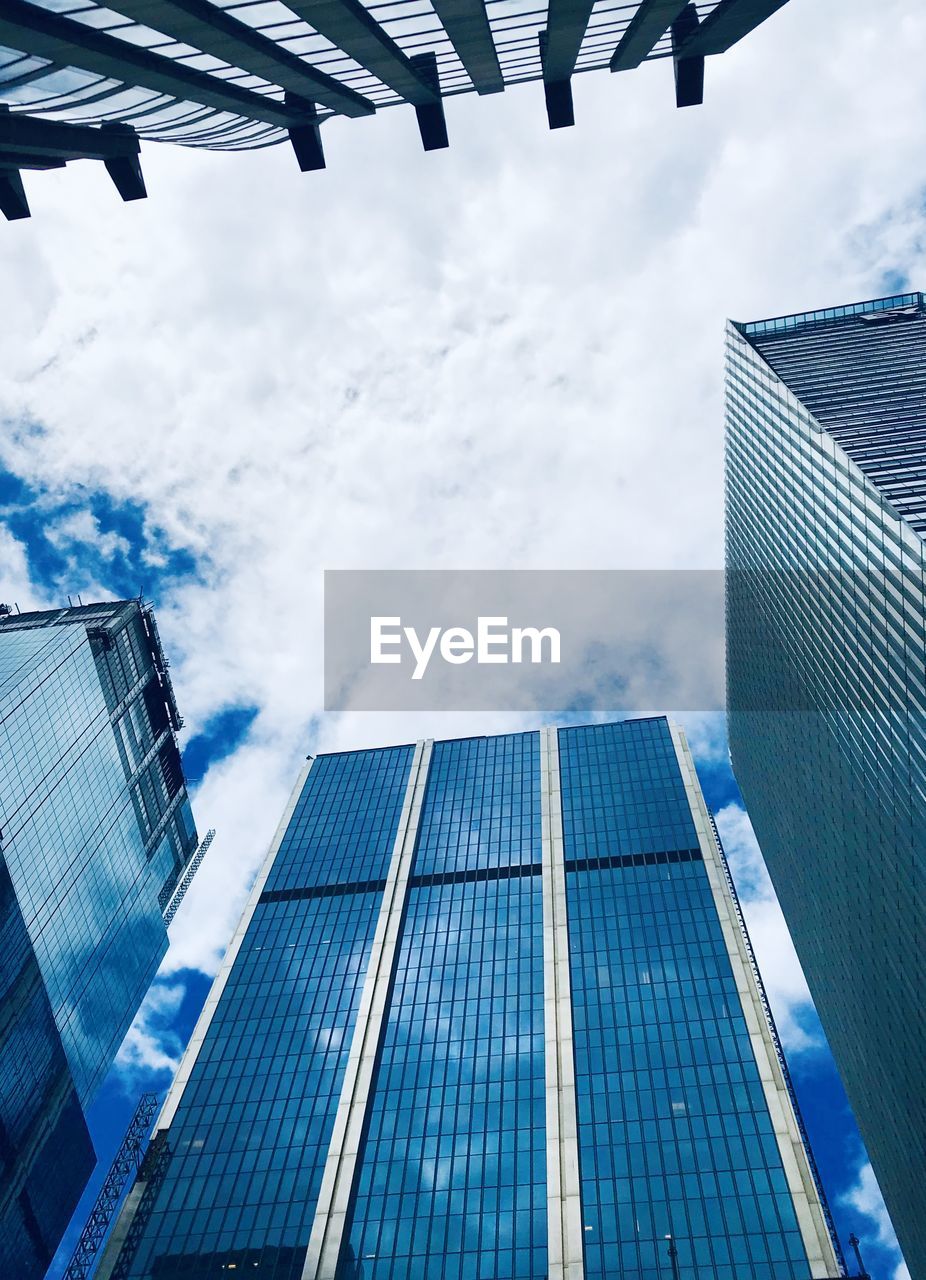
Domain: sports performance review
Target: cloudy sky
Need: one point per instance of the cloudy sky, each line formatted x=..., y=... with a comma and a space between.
x=504, y=355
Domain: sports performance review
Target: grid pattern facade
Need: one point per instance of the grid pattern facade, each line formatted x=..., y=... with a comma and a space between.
x=95, y=825
x=96, y=821
x=42, y=85
x=826, y=610
x=482, y=806
x=447, y=1144
x=675, y=1135
x=453, y=1175
x=453, y=1181
x=248, y=1146
x=45, y=1150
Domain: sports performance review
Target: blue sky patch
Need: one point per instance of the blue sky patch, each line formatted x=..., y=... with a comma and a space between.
x=221, y=735
x=77, y=537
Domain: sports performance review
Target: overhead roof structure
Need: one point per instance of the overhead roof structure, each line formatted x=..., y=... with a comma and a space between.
x=80, y=79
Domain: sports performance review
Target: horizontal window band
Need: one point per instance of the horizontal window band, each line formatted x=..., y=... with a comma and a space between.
x=633, y=860
x=474, y=875
x=321, y=891
x=471, y=875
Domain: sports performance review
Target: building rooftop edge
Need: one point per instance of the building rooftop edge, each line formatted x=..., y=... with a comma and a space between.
x=824, y=315
x=485, y=737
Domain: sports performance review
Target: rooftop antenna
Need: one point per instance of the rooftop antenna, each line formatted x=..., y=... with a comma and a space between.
x=79, y=601
x=70, y=603
x=673, y=1257
x=854, y=1241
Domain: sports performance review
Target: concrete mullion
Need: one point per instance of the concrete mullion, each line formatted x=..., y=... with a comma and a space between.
x=331, y=1213
x=564, y=1202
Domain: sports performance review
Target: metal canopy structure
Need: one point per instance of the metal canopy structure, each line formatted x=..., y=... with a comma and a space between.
x=243, y=74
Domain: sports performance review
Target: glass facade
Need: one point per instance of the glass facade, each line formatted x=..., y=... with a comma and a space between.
x=453, y=1176
x=96, y=829
x=675, y=1135
x=368, y=1094
x=248, y=1146
x=826, y=615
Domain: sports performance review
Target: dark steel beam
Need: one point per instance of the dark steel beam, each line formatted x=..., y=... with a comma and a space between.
x=50, y=35
x=349, y=25
x=689, y=71
x=32, y=142
x=467, y=24
x=307, y=139
x=13, y=202
x=210, y=29
x=125, y=170
x=557, y=93
x=651, y=20
x=34, y=135
x=23, y=160
x=728, y=23
x=431, y=122
x=567, y=21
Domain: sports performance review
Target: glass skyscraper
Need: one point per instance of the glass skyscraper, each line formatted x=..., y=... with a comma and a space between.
x=826, y=613
x=96, y=830
x=489, y=1014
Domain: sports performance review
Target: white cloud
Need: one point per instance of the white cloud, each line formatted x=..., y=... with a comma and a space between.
x=15, y=586
x=150, y=1046
x=781, y=971
x=865, y=1198
x=505, y=355
x=83, y=528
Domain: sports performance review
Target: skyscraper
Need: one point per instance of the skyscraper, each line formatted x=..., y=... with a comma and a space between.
x=96, y=830
x=826, y=609
x=87, y=80
x=489, y=1014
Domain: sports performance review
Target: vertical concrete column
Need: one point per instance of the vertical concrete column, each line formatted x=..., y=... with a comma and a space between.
x=564, y=1201
x=344, y=1149
x=800, y=1179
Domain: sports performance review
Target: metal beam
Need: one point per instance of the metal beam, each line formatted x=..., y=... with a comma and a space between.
x=13, y=202
x=567, y=21
x=349, y=25
x=127, y=177
x=307, y=139
x=728, y=23
x=23, y=160
x=467, y=24
x=689, y=71
x=651, y=20
x=210, y=29
x=431, y=122
x=36, y=136
x=49, y=35
x=557, y=93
